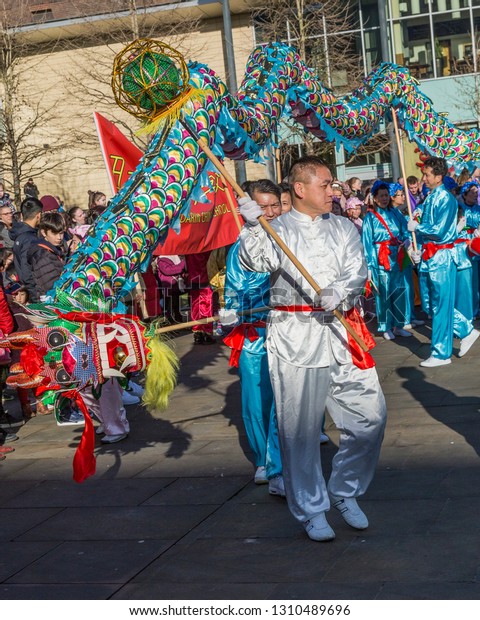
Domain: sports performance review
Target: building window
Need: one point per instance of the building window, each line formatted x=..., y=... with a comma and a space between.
x=41, y=15
x=453, y=43
x=406, y=8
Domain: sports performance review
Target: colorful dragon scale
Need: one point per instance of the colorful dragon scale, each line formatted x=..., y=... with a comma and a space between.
x=277, y=82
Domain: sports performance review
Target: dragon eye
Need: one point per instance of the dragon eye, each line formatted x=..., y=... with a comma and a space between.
x=62, y=376
x=56, y=338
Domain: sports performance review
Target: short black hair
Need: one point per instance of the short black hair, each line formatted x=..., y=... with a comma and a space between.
x=304, y=168
x=412, y=179
x=262, y=186
x=438, y=165
x=285, y=188
x=30, y=207
x=52, y=221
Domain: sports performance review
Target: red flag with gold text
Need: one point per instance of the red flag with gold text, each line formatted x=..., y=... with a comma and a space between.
x=208, y=226
x=120, y=155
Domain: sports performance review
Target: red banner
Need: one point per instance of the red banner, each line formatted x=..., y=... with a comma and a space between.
x=120, y=155
x=208, y=226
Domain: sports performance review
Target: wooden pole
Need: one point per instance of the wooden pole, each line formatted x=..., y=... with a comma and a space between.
x=402, y=166
x=278, y=165
x=140, y=293
x=278, y=240
x=233, y=205
x=207, y=320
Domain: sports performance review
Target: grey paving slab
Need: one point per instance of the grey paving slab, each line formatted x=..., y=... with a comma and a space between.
x=267, y=520
x=93, y=492
x=16, y=522
x=58, y=592
x=117, y=523
x=191, y=491
x=409, y=484
x=220, y=591
x=461, y=482
x=321, y=591
x=182, y=483
x=16, y=556
x=250, y=560
x=200, y=465
x=419, y=590
x=401, y=558
x=402, y=516
x=91, y=562
x=10, y=491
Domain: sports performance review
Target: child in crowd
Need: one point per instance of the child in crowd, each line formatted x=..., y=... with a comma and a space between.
x=47, y=255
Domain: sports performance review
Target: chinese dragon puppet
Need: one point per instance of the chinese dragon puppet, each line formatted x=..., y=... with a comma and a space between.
x=81, y=336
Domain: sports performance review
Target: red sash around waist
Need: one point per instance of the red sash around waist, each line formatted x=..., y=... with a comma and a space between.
x=236, y=339
x=430, y=249
x=361, y=359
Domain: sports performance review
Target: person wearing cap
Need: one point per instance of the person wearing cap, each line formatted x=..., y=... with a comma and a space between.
x=386, y=242
x=30, y=189
x=438, y=266
x=50, y=203
x=353, y=209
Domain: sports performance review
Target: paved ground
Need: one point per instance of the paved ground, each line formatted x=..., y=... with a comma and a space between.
x=172, y=512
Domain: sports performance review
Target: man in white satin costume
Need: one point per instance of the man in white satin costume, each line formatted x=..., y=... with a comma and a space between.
x=311, y=358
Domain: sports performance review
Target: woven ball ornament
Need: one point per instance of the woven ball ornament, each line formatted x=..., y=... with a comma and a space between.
x=148, y=78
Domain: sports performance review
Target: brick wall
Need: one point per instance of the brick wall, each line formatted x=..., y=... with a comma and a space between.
x=72, y=180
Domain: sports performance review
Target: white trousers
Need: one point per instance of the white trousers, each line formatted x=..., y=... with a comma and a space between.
x=357, y=406
x=109, y=408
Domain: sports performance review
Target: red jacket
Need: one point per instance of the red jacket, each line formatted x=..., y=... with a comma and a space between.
x=6, y=318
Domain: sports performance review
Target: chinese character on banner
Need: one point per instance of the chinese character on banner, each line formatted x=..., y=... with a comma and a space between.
x=209, y=225
x=120, y=155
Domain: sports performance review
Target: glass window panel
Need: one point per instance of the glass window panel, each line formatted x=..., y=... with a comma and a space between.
x=373, y=48
x=404, y=8
x=449, y=5
x=413, y=46
x=370, y=13
x=453, y=43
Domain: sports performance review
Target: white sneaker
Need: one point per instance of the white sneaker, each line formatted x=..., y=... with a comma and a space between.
x=408, y=326
x=418, y=322
x=324, y=438
x=398, y=331
x=466, y=343
x=388, y=335
x=432, y=362
x=100, y=430
x=114, y=438
x=276, y=486
x=317, y=528
x=135, y=389
x=261, y=476
x=350, y=511
x=129, y=399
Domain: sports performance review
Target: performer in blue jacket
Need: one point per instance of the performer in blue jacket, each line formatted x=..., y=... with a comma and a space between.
x=437, y=265
x=385, y=241
x=245, y=290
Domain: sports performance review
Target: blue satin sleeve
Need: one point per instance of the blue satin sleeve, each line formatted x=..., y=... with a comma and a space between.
x=245, y=290
x=368, y=241
x=439, y=218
